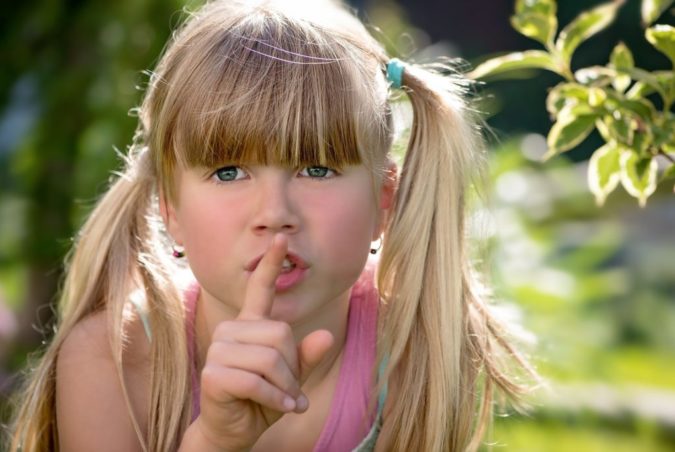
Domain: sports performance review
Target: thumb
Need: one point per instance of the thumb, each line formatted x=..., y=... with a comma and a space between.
x=311, y=351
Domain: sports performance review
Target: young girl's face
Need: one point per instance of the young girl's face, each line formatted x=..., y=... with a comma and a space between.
x=226, y=218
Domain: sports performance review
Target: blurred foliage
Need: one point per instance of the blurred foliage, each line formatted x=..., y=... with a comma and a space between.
x=619, y=100
x=595, y=291
x=72, y=73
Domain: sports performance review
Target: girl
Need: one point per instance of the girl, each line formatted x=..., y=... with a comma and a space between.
x=263, y=159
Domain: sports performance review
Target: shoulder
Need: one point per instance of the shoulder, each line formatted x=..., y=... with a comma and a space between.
x=90, y=339
x=91, y=410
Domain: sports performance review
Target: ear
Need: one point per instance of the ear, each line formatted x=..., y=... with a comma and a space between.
x=387, y=193
x=168, y=213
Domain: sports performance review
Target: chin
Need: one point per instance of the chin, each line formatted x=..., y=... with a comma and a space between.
x=287, y=310
x=296, y=309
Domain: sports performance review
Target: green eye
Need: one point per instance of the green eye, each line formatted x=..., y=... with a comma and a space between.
x=227, y=173
x=317, y=172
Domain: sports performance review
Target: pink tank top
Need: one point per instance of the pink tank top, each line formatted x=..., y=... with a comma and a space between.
x=351, y=413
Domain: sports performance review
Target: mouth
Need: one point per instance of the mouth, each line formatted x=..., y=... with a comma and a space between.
x=291, y=261
x=287, y=265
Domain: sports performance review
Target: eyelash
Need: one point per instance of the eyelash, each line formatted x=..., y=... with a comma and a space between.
x=214, y=176
x=330, y=173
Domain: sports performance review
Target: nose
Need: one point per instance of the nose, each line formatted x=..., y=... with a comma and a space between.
x=274, y=211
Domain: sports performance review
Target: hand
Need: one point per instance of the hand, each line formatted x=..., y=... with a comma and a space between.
x=254, y=369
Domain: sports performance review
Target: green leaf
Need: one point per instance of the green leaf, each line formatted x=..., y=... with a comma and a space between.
x=620, y=128
x=545, y=7
x=641, y=108
x=652, y=9
x=663, y=38
x=621, y=60
x=668, y=174
x=664, y=133
x=642, y=140
x=572, y=127
x=596, y=97
x=638, y=175
x=530, y=59
x=595, y=76
x=621, y=82
x=536, y=19
x=604, y=171
x=565, y=94
x=539, y=27
x=666, y=80
x=640, y=89
x=661, y=82
x=628, y=122
x=584, y=26
x=603, y=129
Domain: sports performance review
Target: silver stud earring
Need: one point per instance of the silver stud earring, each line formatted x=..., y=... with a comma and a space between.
x=379, y=245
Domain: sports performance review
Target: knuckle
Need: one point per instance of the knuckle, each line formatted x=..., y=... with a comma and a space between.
x=271, y=359
x=250, y=385
x=215, y=351
x=281, y=331
x=211, y=379
x=223, y=330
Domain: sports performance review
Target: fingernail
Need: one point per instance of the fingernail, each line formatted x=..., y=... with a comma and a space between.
x=301, y=403
x=289, y=403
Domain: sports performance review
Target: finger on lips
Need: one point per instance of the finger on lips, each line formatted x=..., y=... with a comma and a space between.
x=260, y=355
x=261, y=284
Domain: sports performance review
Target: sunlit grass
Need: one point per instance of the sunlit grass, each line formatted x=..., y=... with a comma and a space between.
x=550, y=436
x=625, y=366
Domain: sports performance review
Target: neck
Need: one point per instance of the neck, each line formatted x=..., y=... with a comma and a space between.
x=333, y=318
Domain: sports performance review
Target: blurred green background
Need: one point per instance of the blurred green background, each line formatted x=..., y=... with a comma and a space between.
x=593, y=288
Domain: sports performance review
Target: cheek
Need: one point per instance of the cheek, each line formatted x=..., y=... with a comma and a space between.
x=207, y=229
x=346, y=223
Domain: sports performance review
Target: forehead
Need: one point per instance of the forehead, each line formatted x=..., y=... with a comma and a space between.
x=264, y=104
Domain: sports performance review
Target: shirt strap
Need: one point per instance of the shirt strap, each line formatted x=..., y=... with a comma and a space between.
x=142, y=312
x=368, y=443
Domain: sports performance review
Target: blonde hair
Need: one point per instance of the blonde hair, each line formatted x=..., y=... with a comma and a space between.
x=292, y=84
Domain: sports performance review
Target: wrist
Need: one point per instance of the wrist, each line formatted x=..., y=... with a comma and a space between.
x=196, y=439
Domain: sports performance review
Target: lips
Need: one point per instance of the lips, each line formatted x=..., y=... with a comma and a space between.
x=293, y=271
x=295, y=260
x=289, y=278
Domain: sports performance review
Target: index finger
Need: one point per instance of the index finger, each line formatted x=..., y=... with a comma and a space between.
x=260, y=289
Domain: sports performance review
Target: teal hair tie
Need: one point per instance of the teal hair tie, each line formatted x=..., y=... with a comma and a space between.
x=395, y=68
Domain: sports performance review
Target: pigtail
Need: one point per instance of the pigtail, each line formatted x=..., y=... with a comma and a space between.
x=434, y=323
x=112, y=261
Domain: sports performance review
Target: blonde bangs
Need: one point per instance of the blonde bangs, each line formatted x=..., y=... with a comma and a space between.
x=260, y=96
